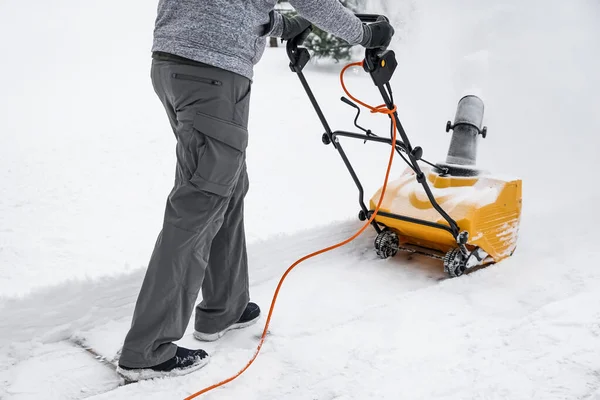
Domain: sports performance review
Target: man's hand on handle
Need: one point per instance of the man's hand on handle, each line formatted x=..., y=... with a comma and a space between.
x=375, y=35
x=378, y=34
x=293, y=26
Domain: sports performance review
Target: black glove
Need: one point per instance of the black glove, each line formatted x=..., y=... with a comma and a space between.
x=377, y=35
x=293, y=26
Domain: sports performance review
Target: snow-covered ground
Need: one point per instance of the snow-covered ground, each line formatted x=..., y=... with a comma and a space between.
x=87, y=158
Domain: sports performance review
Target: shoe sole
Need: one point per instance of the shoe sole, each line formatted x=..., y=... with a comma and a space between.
x=211, y=337
x=136, y=375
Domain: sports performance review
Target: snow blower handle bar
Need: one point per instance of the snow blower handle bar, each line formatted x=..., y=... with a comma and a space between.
x=370, y=18
x=300, y=56
x=380, y=64
x=364, y=18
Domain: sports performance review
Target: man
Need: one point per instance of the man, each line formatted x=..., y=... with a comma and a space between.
x=204, y=52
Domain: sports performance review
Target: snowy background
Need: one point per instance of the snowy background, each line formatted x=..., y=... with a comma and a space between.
x=87, y=159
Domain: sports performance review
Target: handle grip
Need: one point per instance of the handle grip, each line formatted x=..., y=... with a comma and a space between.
x=365, y=18
x=370, y=18
x=298, y=56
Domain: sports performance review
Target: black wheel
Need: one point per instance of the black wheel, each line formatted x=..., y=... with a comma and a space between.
x=386, y=244
x=362, y=216
x=455, y=263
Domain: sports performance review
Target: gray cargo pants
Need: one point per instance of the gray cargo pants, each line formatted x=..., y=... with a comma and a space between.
x=202, y=243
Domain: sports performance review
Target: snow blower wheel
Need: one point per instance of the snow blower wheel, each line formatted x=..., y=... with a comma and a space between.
x=386, y=244
x=455, y=263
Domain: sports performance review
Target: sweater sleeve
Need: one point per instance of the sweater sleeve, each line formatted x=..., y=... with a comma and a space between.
x=329, y=15
x=276, y=24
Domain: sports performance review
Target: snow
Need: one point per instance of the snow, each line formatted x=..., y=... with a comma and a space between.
x=78, y=373
x=86, y=161
x=482, y=193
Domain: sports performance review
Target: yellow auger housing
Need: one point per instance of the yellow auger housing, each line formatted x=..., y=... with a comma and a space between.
x=487, y=207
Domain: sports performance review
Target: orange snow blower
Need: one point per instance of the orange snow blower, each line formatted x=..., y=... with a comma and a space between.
x=452, y=211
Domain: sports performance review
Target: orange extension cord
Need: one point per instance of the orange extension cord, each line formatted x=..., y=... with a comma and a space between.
x=379, y=109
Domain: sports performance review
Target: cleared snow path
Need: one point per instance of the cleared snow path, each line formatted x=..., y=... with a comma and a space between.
x=349, y=326
x=99, y=311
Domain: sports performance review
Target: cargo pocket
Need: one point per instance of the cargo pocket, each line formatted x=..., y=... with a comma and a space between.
x=222, y=156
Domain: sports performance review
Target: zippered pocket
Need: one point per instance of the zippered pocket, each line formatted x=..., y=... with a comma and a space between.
x=193, y=78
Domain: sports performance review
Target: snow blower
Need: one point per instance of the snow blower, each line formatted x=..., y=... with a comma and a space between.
x=452, y=210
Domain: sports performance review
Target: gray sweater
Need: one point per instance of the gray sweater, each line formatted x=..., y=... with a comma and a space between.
x=229, y=34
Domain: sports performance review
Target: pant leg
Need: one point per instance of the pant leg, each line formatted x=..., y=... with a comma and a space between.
x=225, y=291
x=210, y=125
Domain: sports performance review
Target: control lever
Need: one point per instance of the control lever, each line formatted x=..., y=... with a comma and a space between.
x=351, y=104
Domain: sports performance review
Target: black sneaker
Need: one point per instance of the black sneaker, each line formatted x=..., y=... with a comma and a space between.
x=184, y=362
x=249, y=317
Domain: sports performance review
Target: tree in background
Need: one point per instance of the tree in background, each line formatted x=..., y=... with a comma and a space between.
x=322, y=44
